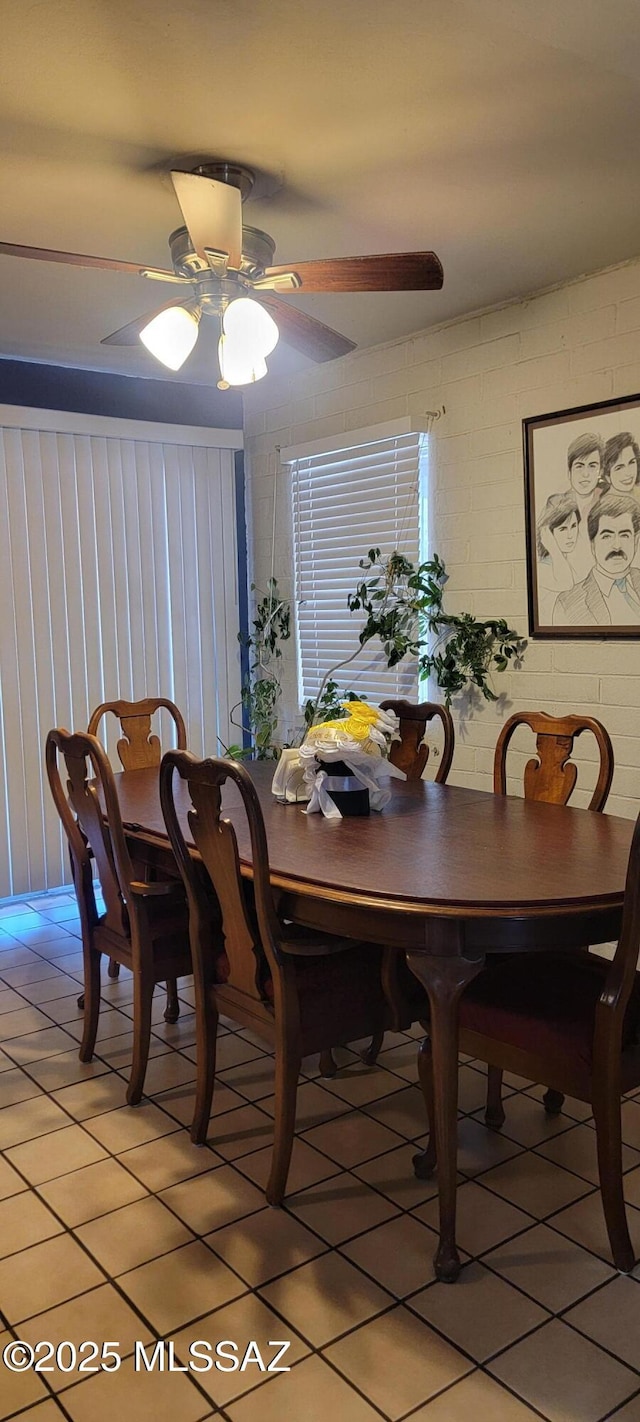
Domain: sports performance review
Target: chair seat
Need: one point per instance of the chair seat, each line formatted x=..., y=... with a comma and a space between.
x=543, y=1004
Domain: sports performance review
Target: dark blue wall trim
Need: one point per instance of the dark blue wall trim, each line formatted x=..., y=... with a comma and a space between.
x=92, y=392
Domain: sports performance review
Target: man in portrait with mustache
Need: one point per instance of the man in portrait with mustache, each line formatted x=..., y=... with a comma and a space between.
x=610, y=595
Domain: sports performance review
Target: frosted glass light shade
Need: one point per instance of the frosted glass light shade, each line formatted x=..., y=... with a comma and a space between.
x=171, y=336
x=249, y=325
x=237, y=367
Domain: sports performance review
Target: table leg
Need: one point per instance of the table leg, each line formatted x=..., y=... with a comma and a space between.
x=444, y=979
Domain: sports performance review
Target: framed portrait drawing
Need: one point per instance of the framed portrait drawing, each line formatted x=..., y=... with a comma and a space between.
x=582, y=489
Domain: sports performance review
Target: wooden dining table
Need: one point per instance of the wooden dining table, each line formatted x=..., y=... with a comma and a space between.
x=444, y=874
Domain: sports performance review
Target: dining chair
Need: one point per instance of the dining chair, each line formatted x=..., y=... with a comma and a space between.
x=411, y=753
x=138, y=749
x=298, y=989
x=144, y=925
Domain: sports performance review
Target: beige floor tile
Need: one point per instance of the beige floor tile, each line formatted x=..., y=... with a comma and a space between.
x=403, y=1112
x=579, y=1110
x=341, y=1207
x=213, y=1200
x=314, y=1105
x=527, y=1122
x=397, y=1361
x=6, y=1063
x=252, y=1080
x=168, y=1160
x=631, y=1123
x=180, y=1102
x=482, y=1218
x=352, y=1138
x=564, y=1375
x=326, y=1298
x=52, y=1073
x=23, y=1020
x=18, y=1389
x=35, y=1045
x=125, y=1238
x=63, y=1009
x=117, y=1052
x=311, y=1392
x=307, y=1167
x=130, y=1126
x=576, y=1150
x=629, y=1413
x=92, y=1098
x=402, y=1059
x=11, y=1001
x=360, y=1085
x=47, y=1274
x=310, y=1067
x=553, y=1270
x=631, y=1187
x=24, y=1221
x=612, y=1317
x=483, y=1314
x=399, y=1254
x=111, y=1024
x=238, y=1132
x=584, y=1222
x=99, y=1315
x=16, y=1086
x=181, y=1286
x=168, y=1071
x=246, y=1319
x=479, y=1397
x=43, y=1412
x=32, y=970
x=233, y=1049
x=95, y=1190
x=264, y=1245
x=147, y=1397
x=392, y=1174
x=479, y=1148
x=10, y=1182
x=535, y=1184
x=56, y=1154
x=472, y=1090
x=49, y=989
x=29, y=1119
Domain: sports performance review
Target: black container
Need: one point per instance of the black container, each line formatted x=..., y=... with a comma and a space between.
x=349, y=795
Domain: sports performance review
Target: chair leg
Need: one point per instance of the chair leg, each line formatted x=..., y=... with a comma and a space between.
x=606, y=1111
x=206, y=1042
x=371, y=1053
x=288, y=1060
x=172, y=1009
x=553, y=1101
x=114, y=968
x=90, y=1001
x=327, y=1063
x=142, y=1001
x=424, y=1163
x=494, y=1113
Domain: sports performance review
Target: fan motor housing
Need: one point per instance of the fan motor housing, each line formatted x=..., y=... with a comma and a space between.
x=258, y=250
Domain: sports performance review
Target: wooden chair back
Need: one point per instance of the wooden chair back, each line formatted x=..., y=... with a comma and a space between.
x=551, y=775
x=409, y=753
x=248, y=940
x=138, y=748
x=92, y=827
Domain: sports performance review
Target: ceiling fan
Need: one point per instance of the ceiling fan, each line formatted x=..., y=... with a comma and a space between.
x=223, y=266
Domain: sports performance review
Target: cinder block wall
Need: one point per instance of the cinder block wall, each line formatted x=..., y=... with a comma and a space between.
x=574, y=345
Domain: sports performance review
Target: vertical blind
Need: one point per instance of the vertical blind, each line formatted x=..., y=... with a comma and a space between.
x=118, y=578
x=346, y=501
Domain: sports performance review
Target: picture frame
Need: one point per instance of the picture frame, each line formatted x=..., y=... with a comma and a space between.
x=582, y=502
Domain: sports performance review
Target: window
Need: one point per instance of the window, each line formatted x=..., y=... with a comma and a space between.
x=368, y=493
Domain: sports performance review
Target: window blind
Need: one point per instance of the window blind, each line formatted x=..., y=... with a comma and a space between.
x=118, y=578
x=346, y=501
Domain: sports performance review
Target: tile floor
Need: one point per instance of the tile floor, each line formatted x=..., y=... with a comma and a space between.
x=114, y=1228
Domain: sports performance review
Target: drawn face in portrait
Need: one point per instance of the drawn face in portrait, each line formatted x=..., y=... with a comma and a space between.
x=566, y=534
x=614, y=545
x=623, y=474
x=584, y=473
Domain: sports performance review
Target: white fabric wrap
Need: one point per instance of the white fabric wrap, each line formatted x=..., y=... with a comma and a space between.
x=371, y=771
x=288, y=782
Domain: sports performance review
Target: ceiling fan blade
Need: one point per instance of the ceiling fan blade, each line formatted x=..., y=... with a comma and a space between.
x=76, y=259
x=129, y=335
x=304, y=333
x=213, y=214
x=397, y=271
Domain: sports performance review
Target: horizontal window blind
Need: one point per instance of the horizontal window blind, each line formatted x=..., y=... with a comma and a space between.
x=345, y=502
x=118, y=578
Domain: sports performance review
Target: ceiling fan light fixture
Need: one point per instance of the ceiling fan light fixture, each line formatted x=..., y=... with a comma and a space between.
x=238, y=366
x=171, y=336
x=251, y=327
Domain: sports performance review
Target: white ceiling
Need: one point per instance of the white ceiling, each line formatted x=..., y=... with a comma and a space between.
x=503, y=134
